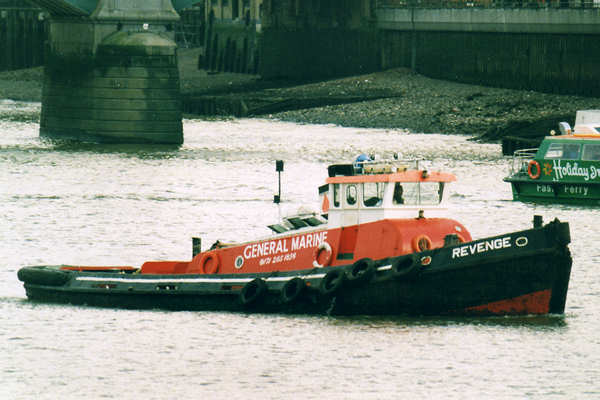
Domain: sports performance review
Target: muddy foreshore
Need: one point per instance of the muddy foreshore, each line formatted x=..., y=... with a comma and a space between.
x=392, y=99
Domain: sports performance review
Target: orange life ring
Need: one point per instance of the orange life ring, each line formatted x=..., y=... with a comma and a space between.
x=209, y=263
x=324, y=246
x=538, y=170
x=421, y=243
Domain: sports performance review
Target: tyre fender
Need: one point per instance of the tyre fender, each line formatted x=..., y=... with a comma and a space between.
x=332, y=281
x=362, y=271
x=405, y=267
x=252, y=291
x=292, y=289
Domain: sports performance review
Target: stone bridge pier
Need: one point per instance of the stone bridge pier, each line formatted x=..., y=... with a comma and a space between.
x=111, y=72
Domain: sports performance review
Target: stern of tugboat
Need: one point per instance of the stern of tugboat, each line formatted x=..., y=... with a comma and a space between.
x=518, y=273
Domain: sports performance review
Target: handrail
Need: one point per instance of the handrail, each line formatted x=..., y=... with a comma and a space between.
x=525, y=153
x=520, y=161
x=525, y=4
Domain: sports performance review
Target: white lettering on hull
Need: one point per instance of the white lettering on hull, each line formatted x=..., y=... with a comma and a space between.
x=283, y=246
x=573, y=169
x=576, y=190
x=566, y=189
x=481, y=247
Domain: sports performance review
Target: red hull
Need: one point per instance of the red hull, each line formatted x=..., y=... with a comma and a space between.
x=533, y=303
x=376, y=240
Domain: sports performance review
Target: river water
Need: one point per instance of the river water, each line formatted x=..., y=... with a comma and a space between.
x=123, y=205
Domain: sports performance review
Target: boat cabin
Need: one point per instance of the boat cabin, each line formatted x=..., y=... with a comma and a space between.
x=369, y=191
x=580, y=144
x=569, y=148
x=375, y=190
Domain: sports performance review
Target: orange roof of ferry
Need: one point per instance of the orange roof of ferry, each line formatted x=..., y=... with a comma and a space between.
x=575, y=136
x=405, y=176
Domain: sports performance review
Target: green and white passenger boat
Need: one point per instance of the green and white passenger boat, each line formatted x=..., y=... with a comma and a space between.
x=564, y=169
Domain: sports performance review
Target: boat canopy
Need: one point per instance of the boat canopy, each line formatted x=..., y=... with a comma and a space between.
x=587, y=125
x=402, y=176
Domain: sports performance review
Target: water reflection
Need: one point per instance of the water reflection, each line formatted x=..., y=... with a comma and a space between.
x=534, y=322
x=124, y=204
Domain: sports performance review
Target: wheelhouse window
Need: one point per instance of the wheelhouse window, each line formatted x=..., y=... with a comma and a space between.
x=351, y=195
x=373, y=194
x=563, y=151
x=422, y=193
x=336, y=195
x=591, y=152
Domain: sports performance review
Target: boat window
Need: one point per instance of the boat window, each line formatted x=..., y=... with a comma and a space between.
x=336, y=195
x=422, y=193
x=591, y=152
x=351, y=194
x=373, y=193
x=398, y=197
x=565, y=151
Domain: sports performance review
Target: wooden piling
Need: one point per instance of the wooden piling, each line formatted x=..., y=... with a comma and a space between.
x=23, y=32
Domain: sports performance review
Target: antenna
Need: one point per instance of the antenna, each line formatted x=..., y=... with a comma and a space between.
x=279, y=169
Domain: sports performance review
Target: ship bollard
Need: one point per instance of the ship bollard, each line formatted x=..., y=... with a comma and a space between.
x=537, y=221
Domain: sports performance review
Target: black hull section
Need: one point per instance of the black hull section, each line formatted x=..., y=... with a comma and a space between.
x=523, y=272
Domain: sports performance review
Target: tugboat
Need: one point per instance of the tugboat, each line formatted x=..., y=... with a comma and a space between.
x=564, y=169
x=378, y=246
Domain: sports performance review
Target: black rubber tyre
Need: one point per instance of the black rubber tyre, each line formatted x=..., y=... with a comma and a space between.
x=292, y=290
x=252, y=291
x=332, y=281
x=361, y=271
x=405, y=267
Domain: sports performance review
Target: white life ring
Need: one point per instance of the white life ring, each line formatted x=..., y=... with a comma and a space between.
x=324, y=246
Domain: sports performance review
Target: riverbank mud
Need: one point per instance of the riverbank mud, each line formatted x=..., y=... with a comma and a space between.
x=392, y=99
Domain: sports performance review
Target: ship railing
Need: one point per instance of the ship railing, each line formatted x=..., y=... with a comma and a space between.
x=504, y=4
x=521, y=159
x=387, y=165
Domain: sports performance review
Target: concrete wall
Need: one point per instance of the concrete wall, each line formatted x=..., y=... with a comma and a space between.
x=307, y=54
x=322, y=38
x=506, y=20
x=295, y=39
x=548, y=50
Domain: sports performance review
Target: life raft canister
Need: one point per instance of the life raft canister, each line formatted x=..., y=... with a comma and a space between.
x=421, y=243
x=534, y=164
x=322, y=255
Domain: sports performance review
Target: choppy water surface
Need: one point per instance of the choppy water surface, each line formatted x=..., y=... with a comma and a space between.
x=124, y=205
